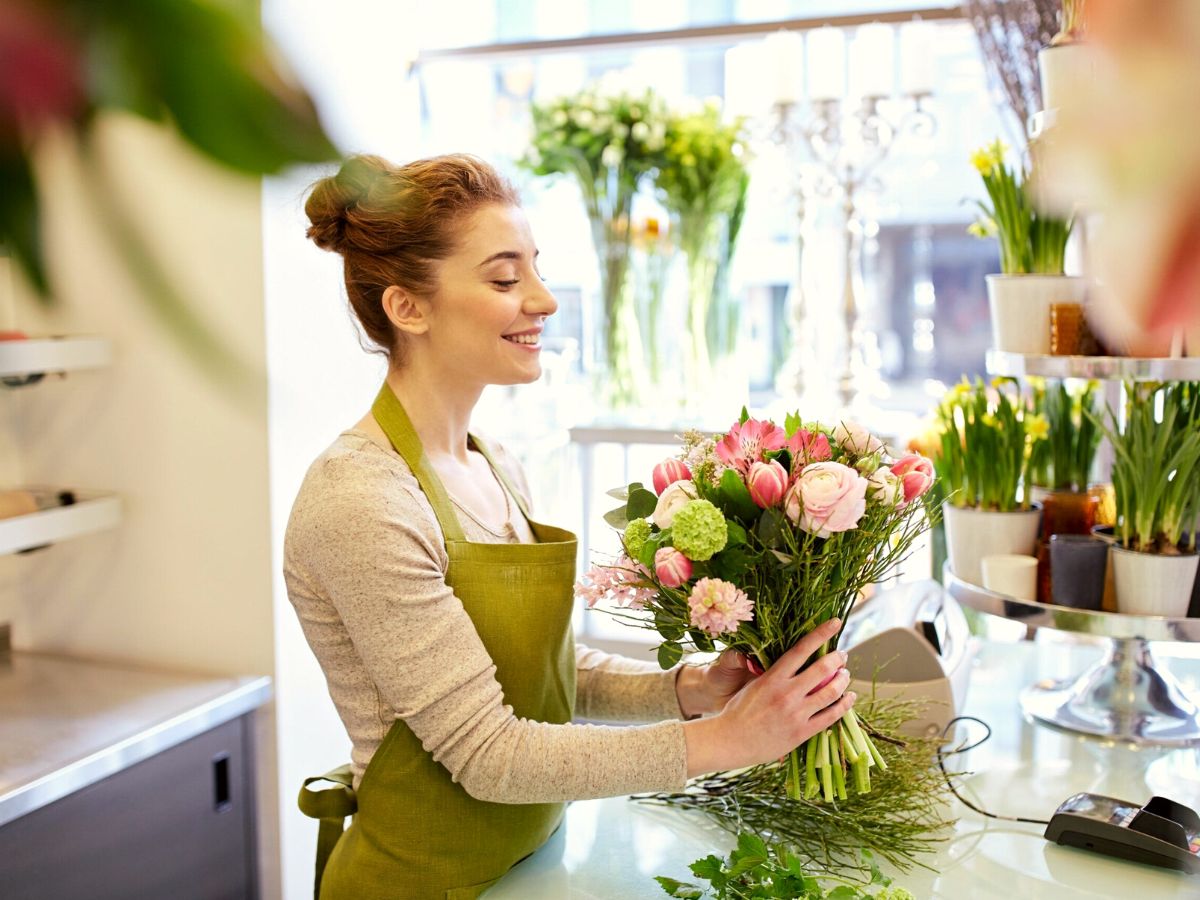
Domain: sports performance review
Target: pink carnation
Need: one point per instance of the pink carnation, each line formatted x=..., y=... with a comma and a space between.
x=718, y=607
x=746, y=443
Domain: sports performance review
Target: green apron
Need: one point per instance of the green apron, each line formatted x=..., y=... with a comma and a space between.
x=416, y=833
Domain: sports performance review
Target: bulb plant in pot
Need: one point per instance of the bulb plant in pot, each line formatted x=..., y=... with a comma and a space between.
x=1060, y=466
x=1033, y=246
x=1156, y=476
x=987, y=434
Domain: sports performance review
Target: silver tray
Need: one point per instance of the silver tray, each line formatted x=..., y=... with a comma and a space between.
x=1110, y=368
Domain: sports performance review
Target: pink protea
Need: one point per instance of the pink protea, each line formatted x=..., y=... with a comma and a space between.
x=672, y=567
x=746, y=443
x=718, y=607
x=767, y=482
x=808, y=447
x=669, y=471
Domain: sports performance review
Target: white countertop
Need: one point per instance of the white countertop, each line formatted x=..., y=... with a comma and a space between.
x=67, y=723
x=613, y=848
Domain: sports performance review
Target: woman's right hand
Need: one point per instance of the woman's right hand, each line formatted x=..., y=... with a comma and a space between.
x=775, y=712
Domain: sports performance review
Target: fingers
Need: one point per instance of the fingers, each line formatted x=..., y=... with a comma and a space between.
x=795, y=657
x=830, y=691
x=830, y=714
x=819, y=672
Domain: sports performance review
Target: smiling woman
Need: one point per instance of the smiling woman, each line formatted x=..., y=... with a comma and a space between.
x=439, y=610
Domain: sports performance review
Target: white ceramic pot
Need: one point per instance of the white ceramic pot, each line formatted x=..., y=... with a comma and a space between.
x=1152, y=584
x=1020, y=308
x=972, y=534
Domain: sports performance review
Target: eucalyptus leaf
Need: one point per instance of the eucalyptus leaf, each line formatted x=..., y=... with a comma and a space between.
x=735, y=497
x=769, y=529
x=703, y=642
x=668, y=626
x=641, y=505
x=617, y=518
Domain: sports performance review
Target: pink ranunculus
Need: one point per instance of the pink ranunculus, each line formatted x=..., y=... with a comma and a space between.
x=672, y=567
x=808, y=447
x=717, y=607
x=832, y=498
x=746, y=443
x=915, y=473
x=767, y=482
x=675, y=497
x=886, y=488
x=854, y=438
x=668, y=472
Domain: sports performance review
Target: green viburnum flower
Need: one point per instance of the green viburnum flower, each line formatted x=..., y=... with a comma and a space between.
x=637, y=533
x=699, y=531
x=894, y=893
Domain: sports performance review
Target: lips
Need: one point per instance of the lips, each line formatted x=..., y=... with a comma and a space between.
x=530, y=338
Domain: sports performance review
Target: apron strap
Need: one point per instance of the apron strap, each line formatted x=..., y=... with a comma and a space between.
x=503, y=476
x=398, y=427
x=331, y=806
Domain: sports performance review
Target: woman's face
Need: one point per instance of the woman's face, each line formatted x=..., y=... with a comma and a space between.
x=486, y=318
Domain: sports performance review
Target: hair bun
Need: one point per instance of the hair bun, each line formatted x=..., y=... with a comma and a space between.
x=334, y=199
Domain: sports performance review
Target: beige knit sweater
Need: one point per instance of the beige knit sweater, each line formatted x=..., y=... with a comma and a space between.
x=365, y=565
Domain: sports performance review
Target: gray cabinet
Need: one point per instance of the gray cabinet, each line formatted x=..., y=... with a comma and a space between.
x=176, y=826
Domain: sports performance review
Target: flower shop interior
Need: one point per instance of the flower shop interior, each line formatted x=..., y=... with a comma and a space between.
x=886, y=303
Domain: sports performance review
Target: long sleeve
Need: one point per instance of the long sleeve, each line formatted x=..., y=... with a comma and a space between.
x=365, y=566
x=611, y=688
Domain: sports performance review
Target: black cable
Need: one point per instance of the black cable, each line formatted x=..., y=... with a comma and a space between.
x=963, y=748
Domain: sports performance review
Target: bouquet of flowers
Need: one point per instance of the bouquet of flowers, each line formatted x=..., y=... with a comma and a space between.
x=752, y=539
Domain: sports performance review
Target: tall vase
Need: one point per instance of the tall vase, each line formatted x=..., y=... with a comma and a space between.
x=713, y=374
x=621, y=370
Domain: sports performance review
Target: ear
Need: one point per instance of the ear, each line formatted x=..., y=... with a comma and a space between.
x=407, y=312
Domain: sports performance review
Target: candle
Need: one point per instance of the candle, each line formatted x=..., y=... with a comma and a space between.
x=872, y=59
x=783, y=54
x=744, y=94
x=826, y=64
x=917, y=57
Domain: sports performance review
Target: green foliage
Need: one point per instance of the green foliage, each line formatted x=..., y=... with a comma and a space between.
x=988, y=437
x=1031, y=240
x=1064, y=460
x=755, y=871
x=1156, y=465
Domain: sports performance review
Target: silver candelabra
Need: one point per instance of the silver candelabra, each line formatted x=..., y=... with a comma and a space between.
x=836, y=150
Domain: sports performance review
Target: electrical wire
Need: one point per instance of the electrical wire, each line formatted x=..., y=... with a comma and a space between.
x=963, y=748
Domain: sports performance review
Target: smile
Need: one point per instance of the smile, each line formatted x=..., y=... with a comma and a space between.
x=525, y=340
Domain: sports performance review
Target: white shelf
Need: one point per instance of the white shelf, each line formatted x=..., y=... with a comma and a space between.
x=91, y=512
x=46, y=355
x=1022, y=365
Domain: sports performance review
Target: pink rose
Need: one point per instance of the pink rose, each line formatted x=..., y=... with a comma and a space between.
x=808, y=447
x=855, y=439
x=767, y=482
x=829, y=498
x=672, y=567
x=668, y=472
x=915, y=473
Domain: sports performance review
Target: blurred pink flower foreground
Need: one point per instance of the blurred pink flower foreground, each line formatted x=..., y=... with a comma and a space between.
x=718, y=606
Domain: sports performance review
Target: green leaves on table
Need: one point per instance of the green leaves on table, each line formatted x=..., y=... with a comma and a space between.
x=755, y=871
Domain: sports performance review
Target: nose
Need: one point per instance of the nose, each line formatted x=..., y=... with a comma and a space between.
x=539, y=301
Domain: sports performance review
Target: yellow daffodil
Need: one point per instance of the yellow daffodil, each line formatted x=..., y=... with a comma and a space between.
x=1037, y=427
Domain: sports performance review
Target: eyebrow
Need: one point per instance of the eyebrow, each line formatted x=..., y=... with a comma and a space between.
x=505, y=254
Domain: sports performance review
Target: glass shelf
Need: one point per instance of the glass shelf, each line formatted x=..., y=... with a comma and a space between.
x=89, y=513
x=38, y=356
x=1103, y=368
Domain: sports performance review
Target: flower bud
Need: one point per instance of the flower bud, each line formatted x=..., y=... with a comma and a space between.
x=767, y=482
x=672, y=567
x=668, y=472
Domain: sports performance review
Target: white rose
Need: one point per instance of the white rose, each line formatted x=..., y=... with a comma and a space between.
x=886, y=488
x=856, y=439
x=677, y=495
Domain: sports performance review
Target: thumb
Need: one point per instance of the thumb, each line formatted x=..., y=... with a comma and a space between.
x=731, y=661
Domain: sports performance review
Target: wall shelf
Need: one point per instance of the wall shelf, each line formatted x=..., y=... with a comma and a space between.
x=91, y=512
x=1022, y=365
x=51, y=355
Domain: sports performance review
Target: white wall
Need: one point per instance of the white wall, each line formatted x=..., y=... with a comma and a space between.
x=184, y=583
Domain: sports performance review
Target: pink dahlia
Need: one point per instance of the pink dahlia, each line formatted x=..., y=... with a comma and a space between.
x=718, y=606
x=746, y=443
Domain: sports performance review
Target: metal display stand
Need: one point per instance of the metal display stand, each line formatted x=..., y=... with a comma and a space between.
x=1126, y=696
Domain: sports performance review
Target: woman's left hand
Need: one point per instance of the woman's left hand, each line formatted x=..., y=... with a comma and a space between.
x=706, y=689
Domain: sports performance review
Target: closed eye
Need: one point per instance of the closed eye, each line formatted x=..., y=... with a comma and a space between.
x=505, y=285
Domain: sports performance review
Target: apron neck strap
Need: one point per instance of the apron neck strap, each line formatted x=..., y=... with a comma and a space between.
x=398, y=427
x=503, y=476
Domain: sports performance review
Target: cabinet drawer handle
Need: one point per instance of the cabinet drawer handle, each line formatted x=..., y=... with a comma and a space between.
x=221, y=799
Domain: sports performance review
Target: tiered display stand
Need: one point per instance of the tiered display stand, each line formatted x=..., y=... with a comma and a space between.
x=1126, y=696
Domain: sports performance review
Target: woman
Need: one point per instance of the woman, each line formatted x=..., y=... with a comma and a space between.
x=439, y=610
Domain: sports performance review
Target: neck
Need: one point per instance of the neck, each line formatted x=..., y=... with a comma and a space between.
x=439, y=407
